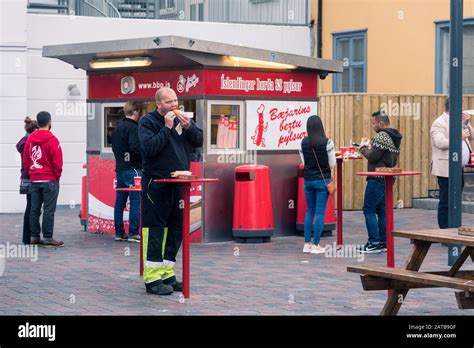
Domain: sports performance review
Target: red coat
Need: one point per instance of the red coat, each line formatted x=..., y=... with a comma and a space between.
x=43, y=157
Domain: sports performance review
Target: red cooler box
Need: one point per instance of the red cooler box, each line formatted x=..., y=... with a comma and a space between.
x=329, y=218
x=253, y=211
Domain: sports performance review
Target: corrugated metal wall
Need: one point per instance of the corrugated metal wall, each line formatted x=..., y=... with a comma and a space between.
x=277, y=12
x=289, y=12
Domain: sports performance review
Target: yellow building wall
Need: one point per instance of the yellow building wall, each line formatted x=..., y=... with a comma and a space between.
x=401, y=37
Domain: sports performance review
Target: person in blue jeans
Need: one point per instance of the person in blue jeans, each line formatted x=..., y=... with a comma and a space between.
x=382, y=151
x=128, y=165
x=126, y=178
x=319, y=157
x=374, y=212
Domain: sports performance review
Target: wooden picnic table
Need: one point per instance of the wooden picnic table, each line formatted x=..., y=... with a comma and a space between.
x=403, y=279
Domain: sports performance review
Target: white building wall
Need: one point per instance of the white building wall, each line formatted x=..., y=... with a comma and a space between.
x=13, y=99
x=31, y=83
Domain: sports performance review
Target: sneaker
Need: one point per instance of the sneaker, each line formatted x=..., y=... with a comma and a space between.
x=370, y=248
x=316, y=249
x=307, y=248
x=177, y=286
x=158, y=288
x=53, y=243
x=134, y=239
x=121, y=238
x=384, y=247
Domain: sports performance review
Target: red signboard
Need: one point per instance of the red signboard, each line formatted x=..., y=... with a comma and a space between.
x=144, y=84
x=218, y=83
x=234, y=83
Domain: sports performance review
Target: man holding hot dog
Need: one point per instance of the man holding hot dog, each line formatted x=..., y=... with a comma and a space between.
x=166, y=138
x=381, y=151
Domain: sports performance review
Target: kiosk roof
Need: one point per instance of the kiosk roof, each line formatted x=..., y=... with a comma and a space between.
x=175, y=51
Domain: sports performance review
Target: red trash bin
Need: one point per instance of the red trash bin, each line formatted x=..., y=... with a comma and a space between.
x=330, y=216
x=253, y=211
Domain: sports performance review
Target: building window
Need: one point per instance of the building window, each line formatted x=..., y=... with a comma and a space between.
x=196, y=12
x=443, y=55
x=167, y=4
x=351, y=49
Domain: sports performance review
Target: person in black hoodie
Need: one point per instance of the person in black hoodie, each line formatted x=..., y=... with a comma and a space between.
x=128, y=164
x=167, y=137
x=382, y=151
x=30, y=127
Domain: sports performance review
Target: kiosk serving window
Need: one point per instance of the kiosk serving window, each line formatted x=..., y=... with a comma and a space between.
x=112, y=116
x=224, y=125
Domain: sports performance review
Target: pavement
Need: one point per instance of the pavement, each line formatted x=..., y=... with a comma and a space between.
x=94, y=275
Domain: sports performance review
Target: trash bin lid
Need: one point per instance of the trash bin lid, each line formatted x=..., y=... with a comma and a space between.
x=251, y=168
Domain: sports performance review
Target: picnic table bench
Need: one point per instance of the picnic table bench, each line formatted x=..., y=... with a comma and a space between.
x=400, y=280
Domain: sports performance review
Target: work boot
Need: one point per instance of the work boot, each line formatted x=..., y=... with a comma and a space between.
x=36, y=241
x=158, y=288
x=51, y=242
x=177, y=286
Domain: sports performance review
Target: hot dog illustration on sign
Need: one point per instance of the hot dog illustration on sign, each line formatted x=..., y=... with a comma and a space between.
x=257, y=137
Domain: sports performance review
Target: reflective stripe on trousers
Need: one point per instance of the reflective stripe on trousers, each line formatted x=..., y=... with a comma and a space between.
x=154, y=271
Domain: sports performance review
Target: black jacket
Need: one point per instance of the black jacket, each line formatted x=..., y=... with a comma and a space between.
x=311, y=169
x=163, y=149
x=384, y=151
x=126, y=146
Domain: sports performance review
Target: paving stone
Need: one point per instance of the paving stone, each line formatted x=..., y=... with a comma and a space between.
x=260, y=281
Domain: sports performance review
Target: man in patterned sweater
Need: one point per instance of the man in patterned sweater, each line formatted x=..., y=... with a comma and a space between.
x=382, y=151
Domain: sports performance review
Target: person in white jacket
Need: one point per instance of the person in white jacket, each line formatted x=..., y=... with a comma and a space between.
x=440, y=157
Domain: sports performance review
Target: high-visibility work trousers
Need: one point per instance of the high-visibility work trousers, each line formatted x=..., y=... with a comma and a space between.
x=162, y=222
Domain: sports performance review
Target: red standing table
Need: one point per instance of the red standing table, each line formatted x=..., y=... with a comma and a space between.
x=339, y=160
x=186, y=245
x=127, y=189
x=389, y=207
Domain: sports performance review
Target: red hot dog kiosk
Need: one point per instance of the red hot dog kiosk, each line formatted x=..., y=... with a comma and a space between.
x=252, y=105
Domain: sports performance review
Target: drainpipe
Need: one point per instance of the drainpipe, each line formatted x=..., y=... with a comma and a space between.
x=320, y=29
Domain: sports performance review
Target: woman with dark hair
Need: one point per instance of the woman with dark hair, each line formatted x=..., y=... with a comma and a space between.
x=319, y=158
x=30, y=127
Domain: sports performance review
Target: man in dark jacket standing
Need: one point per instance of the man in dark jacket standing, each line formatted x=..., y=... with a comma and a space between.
x=43, y=162
x=382, y=151
x=166, y=139
x=128, y=165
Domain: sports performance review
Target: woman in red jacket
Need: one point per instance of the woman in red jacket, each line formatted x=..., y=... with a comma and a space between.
x=30, y=127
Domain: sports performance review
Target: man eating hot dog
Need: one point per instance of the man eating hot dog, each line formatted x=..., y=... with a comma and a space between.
x=166, y=138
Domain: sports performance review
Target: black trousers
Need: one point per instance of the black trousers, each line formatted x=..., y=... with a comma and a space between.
x=162, y=206
x=443, y=206
x=26, y=221
x=43, y=194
